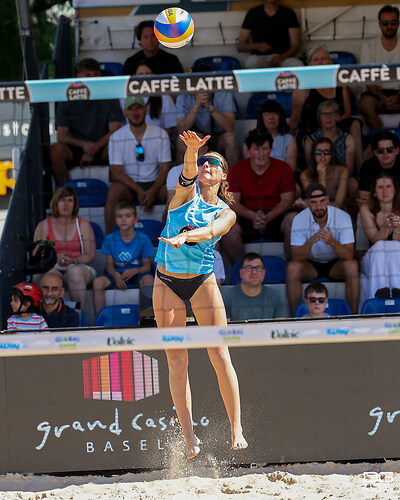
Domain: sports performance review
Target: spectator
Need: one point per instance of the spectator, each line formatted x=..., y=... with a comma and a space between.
x=263, y=189
x=160, y=109
x=327, y=116
x=316, y=300
x=128, y=256
x=25, y=300
x=306, y=101
x=52, y=307
x=380, y=219
x=83, y=129
x=385, y=148
x=250, y=299
x=75, y=243
x=385, y=49
x=322, y=240
x=271, y=33
x=214, y=114
x=139, y=161
x=160, y=60
x=272, y=119
x=328, y=170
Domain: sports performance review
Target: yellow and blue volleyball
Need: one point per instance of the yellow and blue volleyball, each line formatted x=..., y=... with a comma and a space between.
x=174, y=27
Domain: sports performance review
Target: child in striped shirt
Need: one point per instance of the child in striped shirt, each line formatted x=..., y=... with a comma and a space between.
x=25, y=299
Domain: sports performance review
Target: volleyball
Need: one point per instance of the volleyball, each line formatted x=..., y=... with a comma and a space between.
x=174, y=27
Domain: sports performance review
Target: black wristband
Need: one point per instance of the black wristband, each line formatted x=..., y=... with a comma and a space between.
x=184, y=182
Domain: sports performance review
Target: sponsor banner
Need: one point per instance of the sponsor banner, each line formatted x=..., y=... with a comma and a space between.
x=14, y=92
x=245, y=80
x=299, y=331
x=182, y=83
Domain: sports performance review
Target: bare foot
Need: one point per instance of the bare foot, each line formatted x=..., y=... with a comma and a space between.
x=238, y=440
x=192, y=446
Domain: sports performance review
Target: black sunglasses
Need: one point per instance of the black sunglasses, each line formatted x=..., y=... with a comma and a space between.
x=389, y=150
x=139, y=153
x=392, y=23
x=325, y=152
x=321, y=300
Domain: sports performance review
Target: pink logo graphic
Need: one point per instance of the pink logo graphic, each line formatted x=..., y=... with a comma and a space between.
x=120, y=376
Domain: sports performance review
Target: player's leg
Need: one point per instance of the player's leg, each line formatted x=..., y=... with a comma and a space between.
x=209, y=309
x=170, y=311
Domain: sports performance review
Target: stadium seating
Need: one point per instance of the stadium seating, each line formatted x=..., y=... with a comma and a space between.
x=342, y=57
x=381, y=306
x=118, y=315
x=98, y=234
x=255, y=101
x=219, y=63
x=275, y=270
x=112, y=67
x=90, y=192
x=150, y=227
x=336, y=307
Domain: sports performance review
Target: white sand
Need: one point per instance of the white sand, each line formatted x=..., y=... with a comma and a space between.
x=295, y=482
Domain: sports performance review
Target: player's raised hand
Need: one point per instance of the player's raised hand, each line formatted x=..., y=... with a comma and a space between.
x=176, y=241
x=192, y=140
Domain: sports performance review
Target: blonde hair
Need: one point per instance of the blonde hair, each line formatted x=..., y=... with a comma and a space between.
x=223, y=191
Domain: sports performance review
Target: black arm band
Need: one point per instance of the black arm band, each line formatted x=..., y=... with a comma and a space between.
x=184, y=182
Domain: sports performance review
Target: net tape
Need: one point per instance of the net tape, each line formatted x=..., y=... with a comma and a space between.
x=250, y=80
x=270, y=333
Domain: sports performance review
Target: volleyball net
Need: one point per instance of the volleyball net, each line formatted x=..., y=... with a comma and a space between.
x=242, y=81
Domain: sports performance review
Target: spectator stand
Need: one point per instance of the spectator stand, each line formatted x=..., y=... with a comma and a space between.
x=381, y=306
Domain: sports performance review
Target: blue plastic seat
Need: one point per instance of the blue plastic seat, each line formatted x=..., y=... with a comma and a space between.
x=336, y=307
x=275, y=270
x=98, y=234
x=90, y=192
x=150, y=227
x=219, y=63
x=118, y=315
x=113, y=67
x=381, y=306
x=342, y=57
x=255, y=101
x=83, y=320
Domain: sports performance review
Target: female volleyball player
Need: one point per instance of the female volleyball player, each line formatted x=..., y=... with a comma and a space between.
x=197, y=218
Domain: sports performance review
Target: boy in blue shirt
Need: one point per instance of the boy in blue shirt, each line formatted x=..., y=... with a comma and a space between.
x=129, y=253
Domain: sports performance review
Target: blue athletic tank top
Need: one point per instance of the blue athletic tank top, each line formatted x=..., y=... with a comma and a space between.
x=196, y=258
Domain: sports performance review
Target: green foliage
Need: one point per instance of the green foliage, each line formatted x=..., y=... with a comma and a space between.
x=44, y=19
x=11, y=68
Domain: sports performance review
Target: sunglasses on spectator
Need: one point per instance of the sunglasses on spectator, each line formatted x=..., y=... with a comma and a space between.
x=270, y=113
x=249, y=268
x=313, y=300
x=325, y=152
x=139, y=153
x=392, y=23
x=389, y=150
x=213, y=162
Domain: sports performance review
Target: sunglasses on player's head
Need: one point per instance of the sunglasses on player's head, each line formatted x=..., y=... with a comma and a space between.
x=389, y=150
x=325, y=152
x=139, y=153
x=213, y=162
x=321, y=300
x=392, y=23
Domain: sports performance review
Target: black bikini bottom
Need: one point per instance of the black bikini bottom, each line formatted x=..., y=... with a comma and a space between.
x=183, y=288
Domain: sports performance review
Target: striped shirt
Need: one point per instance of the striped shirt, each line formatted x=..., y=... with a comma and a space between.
x=34, y=322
